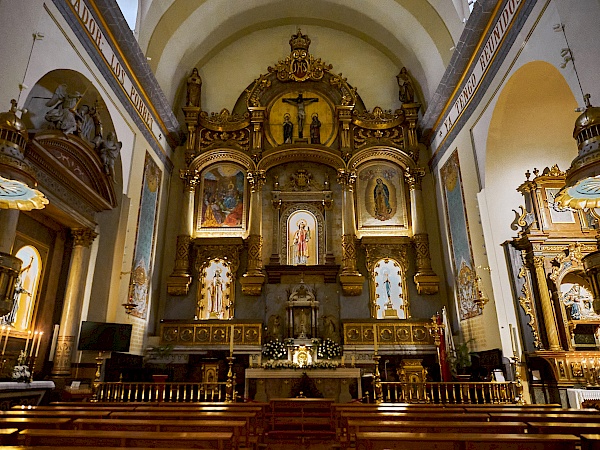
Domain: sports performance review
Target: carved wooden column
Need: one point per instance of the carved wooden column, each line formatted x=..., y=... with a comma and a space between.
x=257, y=118
x=547, y=309
x=426, y=280
x=345, y=119
x=254, y=278
x=71, y=312
x=276, y=202
x=180, y=280
x=350, y=279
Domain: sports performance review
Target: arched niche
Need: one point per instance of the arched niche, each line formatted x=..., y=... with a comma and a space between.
x=290, y=224
x=389, y=299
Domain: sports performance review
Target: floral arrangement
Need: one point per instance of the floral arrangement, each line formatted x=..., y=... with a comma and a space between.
x=293, y=365
x=275, y=350
x=21, y=372
x=329, y=349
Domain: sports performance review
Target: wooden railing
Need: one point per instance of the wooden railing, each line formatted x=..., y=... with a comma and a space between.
x=471, y=392
x=160, y=392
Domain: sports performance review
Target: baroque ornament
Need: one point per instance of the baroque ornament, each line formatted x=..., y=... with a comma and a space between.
x=300, y=65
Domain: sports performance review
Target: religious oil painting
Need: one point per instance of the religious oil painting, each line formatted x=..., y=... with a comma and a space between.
x=578, y=301
x=222, y=197
x=389, y=301
x=141, y=272
x=302, y=234
x=215, y=296
x=380, y=202
x=460, y=243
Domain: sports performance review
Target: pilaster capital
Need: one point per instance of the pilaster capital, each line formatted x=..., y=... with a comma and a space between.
x=413, y=177
x=83, y=237
x=538, y=262
x=346, y=178
x=257, y=179
x=190, y=179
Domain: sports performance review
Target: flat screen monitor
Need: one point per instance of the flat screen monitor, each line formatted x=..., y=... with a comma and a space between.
x=103, y=337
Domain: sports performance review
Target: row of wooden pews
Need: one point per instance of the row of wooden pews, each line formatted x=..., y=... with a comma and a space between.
x=453, y=427
x=235, y=426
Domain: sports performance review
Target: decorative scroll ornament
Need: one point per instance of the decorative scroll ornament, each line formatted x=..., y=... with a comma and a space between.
x=300, y=65
x=378, y=119
x=526, y=302
x=569, y=259
x=224, y=121
x=237, y=139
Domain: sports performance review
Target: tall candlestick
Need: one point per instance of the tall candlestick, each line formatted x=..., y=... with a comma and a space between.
x=37, y=349
x=6, y=341
x=231, y=341
x=27, y=342
x=375, y=338
x=33, y=344
x=513, y=338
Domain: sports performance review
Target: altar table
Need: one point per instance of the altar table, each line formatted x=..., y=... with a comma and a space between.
x=277, y=383
x=12, y=393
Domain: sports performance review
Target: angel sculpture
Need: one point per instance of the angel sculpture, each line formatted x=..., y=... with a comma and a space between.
x=64, y=115
x=109, y=150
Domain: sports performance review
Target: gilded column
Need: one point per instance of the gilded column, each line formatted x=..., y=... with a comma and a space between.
x=350, y=278
x=547, y=308
x=180, y=280
x=254, y=277
x=71, y=312
x=426, y=280
x=276, y=202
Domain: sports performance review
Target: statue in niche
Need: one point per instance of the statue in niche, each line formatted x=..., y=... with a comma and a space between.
x=300, y=103
x=315, y=129
x=194, y=89
x=109, y=150
x=381, y=195
x=288, y=129
x=215, y=292
x=300, y=243
x=329, y=328
x=64, y=115
x=406, y=91
x=274, y=328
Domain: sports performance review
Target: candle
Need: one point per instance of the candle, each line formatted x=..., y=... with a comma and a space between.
x=6, y=341
x=27, y=342
x=353, y=360
x=375, y=338
x=343, y=359
x=2, y=333
x=37, y=349
x=513, y=339
x=231, y=341
x=32, y=344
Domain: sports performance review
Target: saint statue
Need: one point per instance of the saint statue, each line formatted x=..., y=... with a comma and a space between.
x=406, y=91
x=64, y=115
x=388, y=289
x=381, y=195
x=215, y=295
x=300, y=242
x=109, y=150
x=288, y=129
x=315, y=130
x=194, y=89
x=300, y=103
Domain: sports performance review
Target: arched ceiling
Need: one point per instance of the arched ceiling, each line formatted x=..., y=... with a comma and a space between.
x=179, y=34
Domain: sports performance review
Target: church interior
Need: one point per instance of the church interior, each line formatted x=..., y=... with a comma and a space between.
x=386, y=204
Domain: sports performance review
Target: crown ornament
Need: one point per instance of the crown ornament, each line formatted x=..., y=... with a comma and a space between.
x=299, y=41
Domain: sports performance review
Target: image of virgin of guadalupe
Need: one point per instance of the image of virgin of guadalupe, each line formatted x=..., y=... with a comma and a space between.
x=381, y=195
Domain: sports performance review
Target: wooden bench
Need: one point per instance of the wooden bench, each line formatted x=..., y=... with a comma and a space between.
x=576, y=428
x=543, y=417
x=237, y=427
x=464, y=441
x=301, y=417
x=90, y=407
x=50, y=413
x=23, y=423
x=100, y=438
x=590, y=442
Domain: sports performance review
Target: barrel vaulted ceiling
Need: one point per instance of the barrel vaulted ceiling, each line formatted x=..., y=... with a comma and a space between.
x=179, y=34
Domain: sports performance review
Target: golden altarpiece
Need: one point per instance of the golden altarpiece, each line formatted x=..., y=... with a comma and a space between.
x=552, y=284
x=302, y=219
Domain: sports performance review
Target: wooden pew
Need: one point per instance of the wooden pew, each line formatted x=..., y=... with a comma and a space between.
x=541, y=417
x=69, y=438
x=437, y=426
x=237, y=427
x=464, y=441
x=8, y=436
x=90, y=407
x=590, y=442
x=23, y=423
x=576, y=428
x=50, y=413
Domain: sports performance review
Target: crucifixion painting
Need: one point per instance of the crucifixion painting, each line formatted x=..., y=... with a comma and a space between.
x=300, y=102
